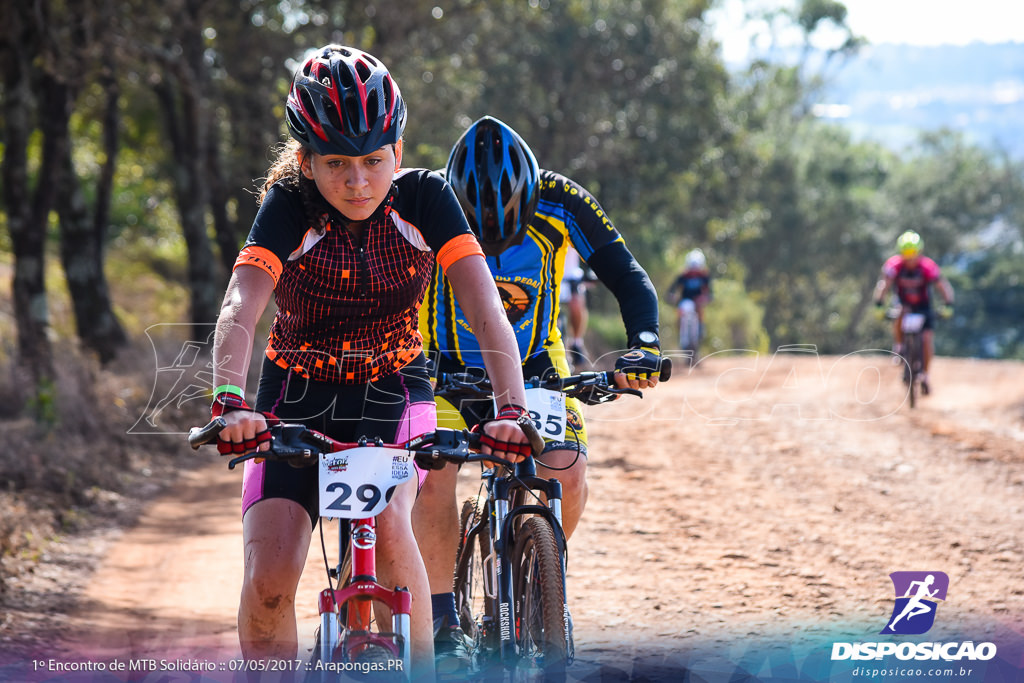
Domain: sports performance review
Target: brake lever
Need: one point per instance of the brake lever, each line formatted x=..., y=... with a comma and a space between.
x=242, y=458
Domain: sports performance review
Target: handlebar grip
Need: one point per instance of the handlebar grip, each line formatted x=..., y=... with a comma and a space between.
x=665, y=373
x=199, y=436
x=536, y=440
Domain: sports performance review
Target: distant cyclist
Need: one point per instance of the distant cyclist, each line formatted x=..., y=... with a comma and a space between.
x=910, y=275
x=572, y=296
x=693, y=284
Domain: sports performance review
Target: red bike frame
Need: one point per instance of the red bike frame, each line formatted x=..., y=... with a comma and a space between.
x=359, y=595
x=362, y=591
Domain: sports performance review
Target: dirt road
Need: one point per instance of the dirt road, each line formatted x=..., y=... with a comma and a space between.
x=742, y=518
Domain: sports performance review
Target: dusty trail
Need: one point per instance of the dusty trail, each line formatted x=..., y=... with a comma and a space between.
x=752, y=504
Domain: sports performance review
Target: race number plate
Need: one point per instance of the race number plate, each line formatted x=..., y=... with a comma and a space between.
x=913, y=322
x=547, y=410
x=359, y=482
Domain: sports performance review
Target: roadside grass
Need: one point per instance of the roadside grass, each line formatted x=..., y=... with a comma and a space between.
x=70, y=457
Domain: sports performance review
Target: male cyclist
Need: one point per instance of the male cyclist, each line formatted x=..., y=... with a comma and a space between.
x=525, y=219
x=693, y=284
x=911, y=275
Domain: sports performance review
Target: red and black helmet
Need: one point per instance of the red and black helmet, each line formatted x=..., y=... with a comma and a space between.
x=496, y=178
x=344, y=101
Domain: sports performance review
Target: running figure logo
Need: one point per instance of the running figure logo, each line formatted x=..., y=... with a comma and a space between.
x=917, y=596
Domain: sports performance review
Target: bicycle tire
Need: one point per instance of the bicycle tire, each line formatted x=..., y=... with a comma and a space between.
x=477, y=612
x=689, y=335
x=542, y=631
x=915, y=362
x=376, y=663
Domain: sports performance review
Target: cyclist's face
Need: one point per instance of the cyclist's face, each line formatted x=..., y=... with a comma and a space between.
x=355, y=186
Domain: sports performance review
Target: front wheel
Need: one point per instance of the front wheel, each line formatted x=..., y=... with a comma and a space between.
x=914, y=356
x=474, y=580
x=542, y=629
x=689, y=331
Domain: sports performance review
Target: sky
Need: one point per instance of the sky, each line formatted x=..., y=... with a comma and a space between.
x=914, y=22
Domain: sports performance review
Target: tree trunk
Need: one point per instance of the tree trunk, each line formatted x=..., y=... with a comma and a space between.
x=223, y=227
x=82, y=248
x=26, y=215
x=180, y=91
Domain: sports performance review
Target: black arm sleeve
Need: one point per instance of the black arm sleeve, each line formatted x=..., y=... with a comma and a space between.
x=632, y=288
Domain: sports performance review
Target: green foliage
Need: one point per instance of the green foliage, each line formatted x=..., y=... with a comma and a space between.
x=989, y=285
x=733, y=320
x=630, y=98
x=42, y=404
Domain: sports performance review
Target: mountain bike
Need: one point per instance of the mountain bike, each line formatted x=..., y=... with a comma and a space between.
x=356, y=483
x=510, y=588
x=689, y=329
x=912, y=351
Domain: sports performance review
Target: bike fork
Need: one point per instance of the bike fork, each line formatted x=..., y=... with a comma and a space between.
x=502, y=583
x=358, y=595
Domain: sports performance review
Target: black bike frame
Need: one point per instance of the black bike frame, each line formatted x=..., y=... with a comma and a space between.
x=503, y=516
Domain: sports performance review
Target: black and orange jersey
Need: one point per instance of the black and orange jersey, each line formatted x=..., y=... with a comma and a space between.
x=347, y=313
x=528, y=277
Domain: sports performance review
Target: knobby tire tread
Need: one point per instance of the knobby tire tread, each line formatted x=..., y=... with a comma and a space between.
x=915, y=361
x=540, y=597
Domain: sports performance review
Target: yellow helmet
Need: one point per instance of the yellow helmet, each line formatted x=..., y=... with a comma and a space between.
x=909, y=244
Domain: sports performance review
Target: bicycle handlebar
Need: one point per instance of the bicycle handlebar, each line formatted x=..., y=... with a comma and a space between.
x=301, y=446
x=590, y=387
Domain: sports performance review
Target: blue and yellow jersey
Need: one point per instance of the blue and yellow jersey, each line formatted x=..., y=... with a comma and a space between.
x=527, y=275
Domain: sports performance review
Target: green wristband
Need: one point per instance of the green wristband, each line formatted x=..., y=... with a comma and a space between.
x=229, y=389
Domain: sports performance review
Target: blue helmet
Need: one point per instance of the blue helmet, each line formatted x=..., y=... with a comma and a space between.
x=497, y=180
x=344, y=101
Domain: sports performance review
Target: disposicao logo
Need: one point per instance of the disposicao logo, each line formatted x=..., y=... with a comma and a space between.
x=917, y=596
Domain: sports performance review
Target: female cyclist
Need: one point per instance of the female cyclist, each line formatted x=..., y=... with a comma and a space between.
x=347, y=243
x=526, y=219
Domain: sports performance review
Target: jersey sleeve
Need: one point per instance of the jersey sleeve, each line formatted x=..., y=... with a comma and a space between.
x=588, y=225
x=892, y=266
x=932, y=271
x=275, y=233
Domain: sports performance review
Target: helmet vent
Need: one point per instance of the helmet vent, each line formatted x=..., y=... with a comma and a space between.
x=506, y=185
x=352, y=113
x=307, y=101
x=332, y=114
x=296, y=122
x=489, y=222
x=347, y=82
x=363, y=71
x=517, y=165
x=372, y=107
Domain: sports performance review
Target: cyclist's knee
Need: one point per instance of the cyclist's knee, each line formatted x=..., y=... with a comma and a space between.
x=569, y=467
x=269, y=589
x=396, y=519
x=439, y=485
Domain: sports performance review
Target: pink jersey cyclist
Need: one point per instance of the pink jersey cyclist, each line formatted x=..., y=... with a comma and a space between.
x=912, y=283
